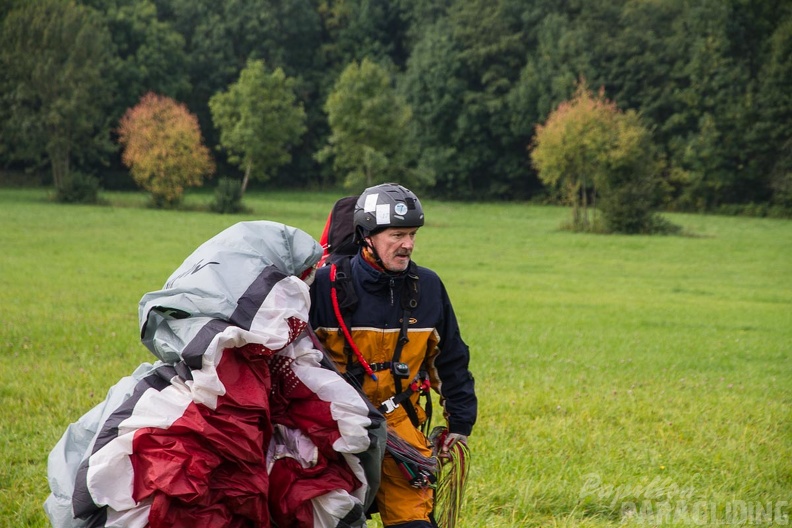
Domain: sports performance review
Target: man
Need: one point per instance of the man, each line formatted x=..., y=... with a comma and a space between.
x=401, y=327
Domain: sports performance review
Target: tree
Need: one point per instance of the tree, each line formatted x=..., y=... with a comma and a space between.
x=772, y=132
x=55, y=88
x=570, y=150
x=150, y=53
x=163, y=148
x=368, y=121
x=359, y=29
x=433, y=88
x=259, y=118
x=589, y=148
x=468, y=63
x=712, y=148
x=220, y=38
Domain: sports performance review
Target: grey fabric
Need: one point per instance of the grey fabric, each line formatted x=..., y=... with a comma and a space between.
x=76, y=445
x=223, y=279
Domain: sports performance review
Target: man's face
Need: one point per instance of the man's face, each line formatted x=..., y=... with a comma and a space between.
x=394, y=245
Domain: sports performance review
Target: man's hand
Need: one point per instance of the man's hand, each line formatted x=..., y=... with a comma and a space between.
x=451, y=439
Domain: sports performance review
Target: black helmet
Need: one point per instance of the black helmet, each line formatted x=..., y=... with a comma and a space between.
x=386, y=205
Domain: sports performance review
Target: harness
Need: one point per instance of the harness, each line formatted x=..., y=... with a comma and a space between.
x=344, y=300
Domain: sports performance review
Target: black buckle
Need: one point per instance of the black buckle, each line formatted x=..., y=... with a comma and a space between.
x=401, y=370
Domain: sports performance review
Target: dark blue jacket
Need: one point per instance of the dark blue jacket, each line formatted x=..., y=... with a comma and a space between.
x=435, y=344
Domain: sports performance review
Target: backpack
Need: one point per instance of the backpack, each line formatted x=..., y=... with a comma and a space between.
x=338, y=237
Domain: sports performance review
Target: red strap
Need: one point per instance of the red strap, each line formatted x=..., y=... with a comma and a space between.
x=342, y=324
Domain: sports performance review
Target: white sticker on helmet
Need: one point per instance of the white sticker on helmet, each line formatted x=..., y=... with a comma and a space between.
x=383, y=214
x=371, y=203
x=400, y=209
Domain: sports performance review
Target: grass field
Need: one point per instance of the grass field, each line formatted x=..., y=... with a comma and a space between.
x=622, y=380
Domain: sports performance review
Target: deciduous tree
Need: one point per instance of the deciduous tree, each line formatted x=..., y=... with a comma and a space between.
x=368, y=121
x=588, y=148
x=469, y=61
x=259, y=119
x=570, y=150
x=220, y=38
x=55, y=88
x=163, y=148
x=772, y=132
x=434, y=88
x=150, y=53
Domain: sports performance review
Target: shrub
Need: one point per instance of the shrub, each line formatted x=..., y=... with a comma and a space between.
x=228, y=197
x=779, y=211
x=753, y=209
x=78, y=187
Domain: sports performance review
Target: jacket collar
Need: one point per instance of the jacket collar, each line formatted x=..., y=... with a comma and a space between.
x=374, y=280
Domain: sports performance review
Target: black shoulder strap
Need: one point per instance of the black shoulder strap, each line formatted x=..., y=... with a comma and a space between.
x=344, y=299
x=409, y=302
x=347, y=297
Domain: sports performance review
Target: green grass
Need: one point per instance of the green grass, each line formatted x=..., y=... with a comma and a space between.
x=611, y=370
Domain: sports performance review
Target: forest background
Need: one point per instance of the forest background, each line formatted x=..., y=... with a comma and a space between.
x=710, y=78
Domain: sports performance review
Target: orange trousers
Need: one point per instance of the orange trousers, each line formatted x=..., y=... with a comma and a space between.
x=397, y=501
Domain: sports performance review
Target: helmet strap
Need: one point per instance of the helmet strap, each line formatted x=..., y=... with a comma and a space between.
x=371, y=255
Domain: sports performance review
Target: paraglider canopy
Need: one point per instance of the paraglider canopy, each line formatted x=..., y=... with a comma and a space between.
x=238, y=422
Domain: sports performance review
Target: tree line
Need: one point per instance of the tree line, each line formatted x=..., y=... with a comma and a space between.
x=471, y=80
